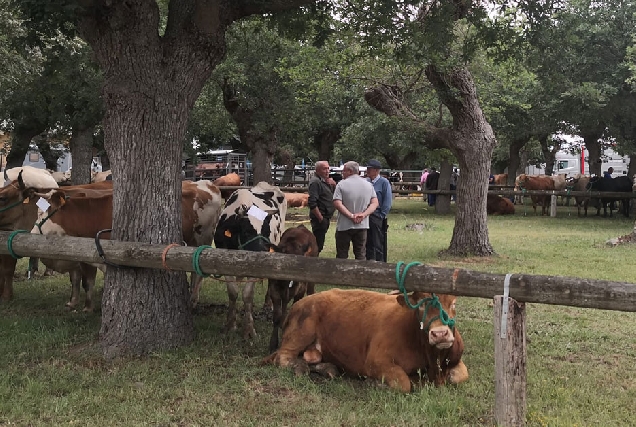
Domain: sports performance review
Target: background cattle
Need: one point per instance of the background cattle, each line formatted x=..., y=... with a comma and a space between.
x=373, y=335
x=251, y=220
x=230, y=180
x=295, y=241
x=297, y=200
x=497, y=205
x=579, y=183
x=101, y=176
x=501, y=179
x=621, y=184
x=536, y=182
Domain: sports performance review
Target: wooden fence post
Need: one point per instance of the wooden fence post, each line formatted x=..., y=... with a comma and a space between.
x=510, y=362
x=553, y=205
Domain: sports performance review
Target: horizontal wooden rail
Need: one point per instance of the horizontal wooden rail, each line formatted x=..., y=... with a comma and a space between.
x=559, y=290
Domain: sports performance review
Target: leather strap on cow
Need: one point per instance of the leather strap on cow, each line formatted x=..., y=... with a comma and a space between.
x=432, y=301
x=10, y=243
x=13, y=205
x=100, y=250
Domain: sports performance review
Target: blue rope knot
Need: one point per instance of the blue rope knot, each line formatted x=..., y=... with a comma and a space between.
x=431, y=302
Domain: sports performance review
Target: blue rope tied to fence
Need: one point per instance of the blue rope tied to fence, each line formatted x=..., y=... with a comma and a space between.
x=431, y=302
x=195, y=260
x=10, y=243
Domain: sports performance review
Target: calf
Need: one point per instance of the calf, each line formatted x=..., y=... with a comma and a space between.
x=374, y=335
x=295, y=241
x=252, y=220
x=497, y=205
x=621, y=184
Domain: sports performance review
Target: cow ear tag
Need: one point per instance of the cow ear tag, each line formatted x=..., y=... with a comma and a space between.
x=228, y=233
x=26, y=201
x=43, y=205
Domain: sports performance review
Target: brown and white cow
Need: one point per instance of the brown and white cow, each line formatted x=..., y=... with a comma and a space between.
x=297, y=200
x=101, y=176
x=252, y=220
x=537, y=182
x=579, y=183
x=295, y=241
x=497, y=205
x=85, y=214
x=373, y=335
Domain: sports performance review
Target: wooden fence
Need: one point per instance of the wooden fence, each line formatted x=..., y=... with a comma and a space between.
x=510, y=351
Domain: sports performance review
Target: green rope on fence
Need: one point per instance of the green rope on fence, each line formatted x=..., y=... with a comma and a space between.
x=10, y=243
x=431, y=302
x=523, y=201
x=195, y=260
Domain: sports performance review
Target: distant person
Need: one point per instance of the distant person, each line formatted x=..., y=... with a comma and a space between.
x=491, y=179
x=378, y=225
x=423, y=177
x=320, y=202
x=609, y=173
x=453, y=182
x=431, y=184
x=356, y=200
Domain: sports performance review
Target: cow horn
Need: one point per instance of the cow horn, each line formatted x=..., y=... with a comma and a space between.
x=21, y=181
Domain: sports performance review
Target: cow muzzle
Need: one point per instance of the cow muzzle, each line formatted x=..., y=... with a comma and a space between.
x=441, y=337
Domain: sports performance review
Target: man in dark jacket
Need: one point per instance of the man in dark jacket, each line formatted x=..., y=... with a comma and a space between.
x=431, y=184
x=320, y=202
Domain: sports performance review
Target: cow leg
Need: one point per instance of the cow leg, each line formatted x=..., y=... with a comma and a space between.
x=248, y=306
x=267, y=305
x=274, y=290
x=6, y=277
x=75, y=275
x=232, y=293
x=89, y=273
x=392, y=375
x=458, y=374
x=327, y=370
x=195, y=288
x=311, y=289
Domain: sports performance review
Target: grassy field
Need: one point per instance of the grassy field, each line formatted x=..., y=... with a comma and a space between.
x=581, y=362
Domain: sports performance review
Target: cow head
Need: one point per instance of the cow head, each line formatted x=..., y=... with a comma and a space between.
x=297, y=241
x=437, y=314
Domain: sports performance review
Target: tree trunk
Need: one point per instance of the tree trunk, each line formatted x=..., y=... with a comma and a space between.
x=591, y=136
x=20, y=140
x=261, y=159
x=81, y=145
x=324, y=141
x=442, y=202
x=515, y=159
x=49, y=156
x=473, y=142
x=549, y=155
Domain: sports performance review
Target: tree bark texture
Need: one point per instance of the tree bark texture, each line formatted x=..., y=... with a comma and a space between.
x=591, y=136
x=81, y=145
x=443, y=201
x=472, y=142
x=151, y=82
x=549, y=154
x=515, y=159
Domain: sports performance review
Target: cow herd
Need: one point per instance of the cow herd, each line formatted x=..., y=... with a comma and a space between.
x=329, y=332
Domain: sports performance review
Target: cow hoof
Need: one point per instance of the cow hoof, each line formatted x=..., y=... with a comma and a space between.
x=328, y=370
x=300, y=367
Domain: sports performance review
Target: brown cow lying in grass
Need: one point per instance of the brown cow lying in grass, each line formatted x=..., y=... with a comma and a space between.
x=497, y=205
x=297, y=200
x=295, y=241
x=374, y=335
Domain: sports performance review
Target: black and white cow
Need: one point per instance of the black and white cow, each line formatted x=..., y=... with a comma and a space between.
x=621, y=184
x=251, y=220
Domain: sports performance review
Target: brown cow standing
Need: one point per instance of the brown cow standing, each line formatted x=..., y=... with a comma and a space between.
x=297, y=200
x=497, y=205
x=501, y=179
x=295, y=241
x=374, y=335
x=579, y=183
x=539, y=182
x=86, y=214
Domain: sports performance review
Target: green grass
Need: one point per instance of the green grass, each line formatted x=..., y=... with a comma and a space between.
x=581, y=362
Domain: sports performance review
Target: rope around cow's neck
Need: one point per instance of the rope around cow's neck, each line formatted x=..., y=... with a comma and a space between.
x=432, y=301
